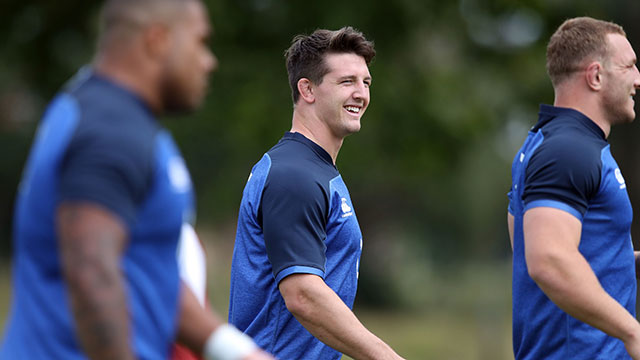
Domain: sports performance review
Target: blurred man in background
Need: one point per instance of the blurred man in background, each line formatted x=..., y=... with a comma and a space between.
x=298, y=243
x=574, y=280
x=104, y=197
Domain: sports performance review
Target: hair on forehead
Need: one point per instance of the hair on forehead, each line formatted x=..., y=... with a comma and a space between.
x=125, y=17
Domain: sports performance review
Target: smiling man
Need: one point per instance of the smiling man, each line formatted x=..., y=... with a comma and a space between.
x=298, y=244
x=574, y=279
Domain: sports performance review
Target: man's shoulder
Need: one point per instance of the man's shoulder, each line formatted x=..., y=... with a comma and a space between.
x=113, y=130
x=569, y=155
x=568, y=132
x=570, y=143
x=105, y=104
x=297, y=165
x=109, y=116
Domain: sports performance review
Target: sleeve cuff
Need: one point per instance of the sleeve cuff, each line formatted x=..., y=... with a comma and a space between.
x=298, y=270
x=556, y=205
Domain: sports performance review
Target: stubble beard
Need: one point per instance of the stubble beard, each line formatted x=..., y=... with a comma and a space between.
x=615, y=107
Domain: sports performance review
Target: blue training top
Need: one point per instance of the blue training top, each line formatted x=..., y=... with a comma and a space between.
x=296, y=216
x=566, y=163
x=98, y=143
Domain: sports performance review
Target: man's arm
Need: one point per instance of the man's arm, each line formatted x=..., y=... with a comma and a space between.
x=197, y=325
x=91, y=240
x=554, y=262
x=510, y=221
x=321, y=311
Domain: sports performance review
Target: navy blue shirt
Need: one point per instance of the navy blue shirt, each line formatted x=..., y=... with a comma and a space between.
x=296, y=216
x=98, y=143
x=566, y=163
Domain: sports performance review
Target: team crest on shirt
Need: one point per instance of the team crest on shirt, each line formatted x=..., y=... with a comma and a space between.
x=178, y=175
x=346, y=209
x=620, y=178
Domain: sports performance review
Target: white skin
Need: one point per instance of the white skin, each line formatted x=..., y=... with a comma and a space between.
x=621, y=81
x=326, y=113
x=603, y=91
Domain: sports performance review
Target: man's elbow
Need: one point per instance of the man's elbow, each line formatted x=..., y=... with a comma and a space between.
x=298, y=300
x=544, y=268
x=85, y=273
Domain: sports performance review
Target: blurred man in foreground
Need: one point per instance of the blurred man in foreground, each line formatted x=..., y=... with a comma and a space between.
x=298, y=242
x=103, y=199
x=574, y=280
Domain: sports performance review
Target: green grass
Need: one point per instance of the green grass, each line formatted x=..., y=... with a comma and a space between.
x=439, y=335
x=5, y=293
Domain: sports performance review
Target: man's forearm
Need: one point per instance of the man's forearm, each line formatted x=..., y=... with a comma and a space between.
x=90, y=245
x=195, y=323
x=99, y=308
x=321, y=311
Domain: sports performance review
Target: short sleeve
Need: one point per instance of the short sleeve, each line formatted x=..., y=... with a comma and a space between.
x=294, y=211
x=564, y=172
x=109, y=167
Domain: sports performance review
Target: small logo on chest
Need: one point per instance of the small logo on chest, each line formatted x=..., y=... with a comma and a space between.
x=346, y=209
x=620, y=179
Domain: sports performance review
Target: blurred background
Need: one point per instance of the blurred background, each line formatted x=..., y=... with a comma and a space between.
x=456, y=85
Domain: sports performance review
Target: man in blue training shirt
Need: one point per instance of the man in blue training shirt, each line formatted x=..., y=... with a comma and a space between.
x=103, y=199
x=298, y=243
x=574, y=279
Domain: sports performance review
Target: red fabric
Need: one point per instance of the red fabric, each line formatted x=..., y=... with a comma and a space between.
x=179, y=352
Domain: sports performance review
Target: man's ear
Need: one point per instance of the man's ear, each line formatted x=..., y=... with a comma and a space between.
x=593, y=76
x=306, y=90
x=156, y=39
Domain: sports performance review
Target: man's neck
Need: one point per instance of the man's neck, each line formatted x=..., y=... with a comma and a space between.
x=123, y=71
x=317, y=131
x=587, y=103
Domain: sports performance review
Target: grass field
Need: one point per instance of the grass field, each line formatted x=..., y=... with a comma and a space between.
x=461, y=316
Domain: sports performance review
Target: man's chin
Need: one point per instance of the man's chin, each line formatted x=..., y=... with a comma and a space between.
x=181, y=108
x=353, y=127
x=630, y=117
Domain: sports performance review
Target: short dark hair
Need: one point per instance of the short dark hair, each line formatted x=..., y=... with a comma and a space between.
x=577, y=40
x=305, y=56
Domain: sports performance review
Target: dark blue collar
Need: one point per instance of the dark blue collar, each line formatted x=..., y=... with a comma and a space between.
x=87, y=74
x=317, y=148
x=549, y=112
